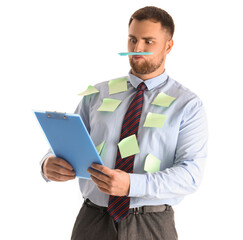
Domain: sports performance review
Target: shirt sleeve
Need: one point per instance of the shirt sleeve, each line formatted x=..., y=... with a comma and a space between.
x=49, y=153
x=186, y=174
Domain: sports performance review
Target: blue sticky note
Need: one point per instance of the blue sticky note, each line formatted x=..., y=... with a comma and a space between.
x=134, y=53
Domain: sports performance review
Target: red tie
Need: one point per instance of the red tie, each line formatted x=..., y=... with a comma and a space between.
x=119, y=206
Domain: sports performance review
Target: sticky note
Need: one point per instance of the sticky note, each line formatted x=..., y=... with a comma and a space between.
x=100, y=147
x=152, y=164
x=117, y=85
x=88, y=91
x=109, y=105
x=128, y=146
x=154, y=120
x=134, y=53
x=163, y=100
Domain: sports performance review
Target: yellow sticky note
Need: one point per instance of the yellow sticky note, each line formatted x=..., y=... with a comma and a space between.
x=88, y=91
x=154, y=120
x=109, y=105
x=163, y=100
x=117, y=85
x=100, y=147
x=152, y=164
x=128, y=146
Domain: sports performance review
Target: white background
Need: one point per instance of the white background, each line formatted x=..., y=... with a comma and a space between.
x=52, y=50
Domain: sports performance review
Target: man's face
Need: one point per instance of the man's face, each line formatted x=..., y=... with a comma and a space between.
x=148, y=36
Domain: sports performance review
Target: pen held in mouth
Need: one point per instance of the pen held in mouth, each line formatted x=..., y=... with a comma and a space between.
x=135, y=53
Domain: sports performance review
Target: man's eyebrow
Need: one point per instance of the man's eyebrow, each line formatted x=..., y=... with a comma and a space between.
x=145, y=38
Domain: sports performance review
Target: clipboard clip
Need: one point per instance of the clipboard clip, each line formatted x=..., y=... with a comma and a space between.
x=57, y=115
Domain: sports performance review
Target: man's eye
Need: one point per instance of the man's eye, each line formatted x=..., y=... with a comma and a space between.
x=133, y=40
x=149, y=41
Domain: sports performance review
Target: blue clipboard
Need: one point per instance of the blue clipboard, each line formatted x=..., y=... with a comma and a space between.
x=70, y=140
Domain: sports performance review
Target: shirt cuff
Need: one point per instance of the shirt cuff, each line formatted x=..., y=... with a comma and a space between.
x=46, y=179
x=41, y=164
x=137, y=185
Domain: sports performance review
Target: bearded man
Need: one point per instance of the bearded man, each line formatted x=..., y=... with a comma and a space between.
x=132, y=195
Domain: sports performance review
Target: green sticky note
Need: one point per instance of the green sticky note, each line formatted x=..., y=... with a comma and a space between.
x=163, y=100
x=100, y=147
x=128, y=146
x=154, y=120
x=117, y=85
x=88, y=91
x=152, y=164
x=109, y=105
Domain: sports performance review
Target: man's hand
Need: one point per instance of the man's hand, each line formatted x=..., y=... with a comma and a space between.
x=57, y=169
x=113, y=182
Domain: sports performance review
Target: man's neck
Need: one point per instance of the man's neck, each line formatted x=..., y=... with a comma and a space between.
x=145, y=77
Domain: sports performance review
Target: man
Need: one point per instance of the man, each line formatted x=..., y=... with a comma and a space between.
x=125, y=200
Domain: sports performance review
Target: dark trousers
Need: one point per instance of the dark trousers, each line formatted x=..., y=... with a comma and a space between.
x=95, y=223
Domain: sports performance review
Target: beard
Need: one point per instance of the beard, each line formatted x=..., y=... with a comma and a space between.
x=145, y=67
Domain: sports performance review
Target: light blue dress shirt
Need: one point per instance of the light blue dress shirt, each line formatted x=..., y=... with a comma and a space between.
x=181, y=144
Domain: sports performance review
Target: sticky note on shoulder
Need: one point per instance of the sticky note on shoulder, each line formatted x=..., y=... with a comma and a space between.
x=152, y=164
x=163, y=100
x=128, y=146
x=154, y=120
x=117, y=85
x=109, y=105
x=90, y=90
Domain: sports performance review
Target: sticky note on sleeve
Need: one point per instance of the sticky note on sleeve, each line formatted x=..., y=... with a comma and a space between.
x=109, y=105
x=88, y=91
x=152, y=164
x=154, y=120
x=163, y=100
x=117, y=85
x=128, y=146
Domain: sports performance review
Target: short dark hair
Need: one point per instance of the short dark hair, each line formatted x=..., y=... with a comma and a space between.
x=157, y=14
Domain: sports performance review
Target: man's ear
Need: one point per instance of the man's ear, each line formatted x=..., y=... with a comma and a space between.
x=169, y=45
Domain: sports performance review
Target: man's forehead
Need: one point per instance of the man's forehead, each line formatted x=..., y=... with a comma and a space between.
x=145, y=28
x=145, y=23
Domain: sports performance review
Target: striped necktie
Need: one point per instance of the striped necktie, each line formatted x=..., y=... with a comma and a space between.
x=118, y=207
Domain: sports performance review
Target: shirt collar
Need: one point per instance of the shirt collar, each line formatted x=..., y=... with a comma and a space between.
x=150, y=83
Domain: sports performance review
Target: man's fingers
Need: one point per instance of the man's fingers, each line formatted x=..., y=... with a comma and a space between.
x=107, y=171
x=100, y=176
x=62, y=162
x=61, y=170
x=58, y=177
x=98, y=182
x=57, y=169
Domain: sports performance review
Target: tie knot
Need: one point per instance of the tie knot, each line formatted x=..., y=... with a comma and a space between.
x=141, y=87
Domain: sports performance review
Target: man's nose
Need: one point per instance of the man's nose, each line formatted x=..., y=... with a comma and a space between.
x=139, y=47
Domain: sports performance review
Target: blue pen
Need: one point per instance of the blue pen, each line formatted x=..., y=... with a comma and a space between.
x=134, y=53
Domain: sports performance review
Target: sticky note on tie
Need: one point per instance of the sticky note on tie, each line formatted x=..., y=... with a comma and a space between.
x=152, y=164
x=90, y=90
x=163, y=100
x=128, y=146
x=154, y=120
x=109, y=105
x=100, y=147
x=117, y=85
